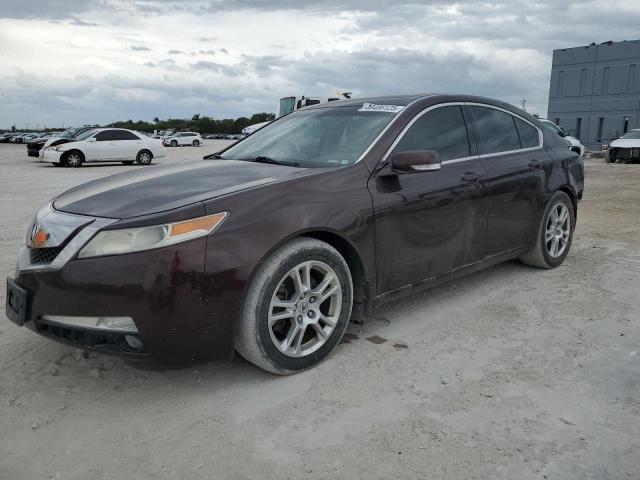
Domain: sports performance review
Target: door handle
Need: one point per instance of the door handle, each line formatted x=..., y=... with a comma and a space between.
x=471, y=176
x=535, y=163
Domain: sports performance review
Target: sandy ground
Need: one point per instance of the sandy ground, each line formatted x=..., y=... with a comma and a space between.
x=511, y=373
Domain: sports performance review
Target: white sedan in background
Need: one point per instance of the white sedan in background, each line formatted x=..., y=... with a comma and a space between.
x=183, y=138
x=105, y=145
x=625, y=149
x=573, y=142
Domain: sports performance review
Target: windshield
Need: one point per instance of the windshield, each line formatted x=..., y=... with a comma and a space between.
x=85, y=135
x=633, y=134
x=323, y=137
x=68, y=133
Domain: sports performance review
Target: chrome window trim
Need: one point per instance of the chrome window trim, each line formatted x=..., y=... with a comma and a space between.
x=472, y=157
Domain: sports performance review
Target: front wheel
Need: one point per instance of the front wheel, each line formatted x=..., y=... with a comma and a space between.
x=196, y=143
x=73, y=159
x=174, y=143
x=297, y=307
x=555, y=234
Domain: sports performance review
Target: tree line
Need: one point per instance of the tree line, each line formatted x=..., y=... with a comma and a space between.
x=197, y=123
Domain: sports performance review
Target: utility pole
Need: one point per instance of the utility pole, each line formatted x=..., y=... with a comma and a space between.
x=524, y=104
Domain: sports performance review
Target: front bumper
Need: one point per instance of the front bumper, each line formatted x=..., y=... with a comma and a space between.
x=181, y=313
x=51, y=156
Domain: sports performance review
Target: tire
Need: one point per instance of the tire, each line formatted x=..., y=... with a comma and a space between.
x=73, y=159
x=144, y=157
x=257, y=342
x=174, y=143
x=542, y=254
x=196, y=143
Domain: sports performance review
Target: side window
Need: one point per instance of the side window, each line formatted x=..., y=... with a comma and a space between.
x=528, y=135
x=105, y=136
x=442, y=129
x=496, y=130
x=124, y=135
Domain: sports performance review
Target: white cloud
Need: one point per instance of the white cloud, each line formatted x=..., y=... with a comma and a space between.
x=116, y=59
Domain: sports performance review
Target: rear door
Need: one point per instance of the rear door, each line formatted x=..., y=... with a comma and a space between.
x=432, y=222
x=104, y=148
x=127, y=145
x=511, y=151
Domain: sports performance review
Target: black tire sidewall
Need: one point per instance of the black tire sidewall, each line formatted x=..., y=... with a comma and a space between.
x=265, y=344
x=196, y=143
x=555, y=199
x=143, y=163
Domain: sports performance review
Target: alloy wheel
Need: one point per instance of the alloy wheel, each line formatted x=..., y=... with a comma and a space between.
x=73, y=160
x=144, y=158
x=558, y=230
x=305, y=309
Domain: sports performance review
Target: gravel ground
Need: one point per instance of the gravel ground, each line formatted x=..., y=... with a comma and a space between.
x=513, y=373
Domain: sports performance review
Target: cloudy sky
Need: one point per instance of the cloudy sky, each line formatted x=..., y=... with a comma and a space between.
x=96, y=61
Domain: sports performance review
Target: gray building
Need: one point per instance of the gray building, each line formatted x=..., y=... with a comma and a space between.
x=595, y=91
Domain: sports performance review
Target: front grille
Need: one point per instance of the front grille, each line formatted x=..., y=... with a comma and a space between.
x=114, y=342
x=44, y=256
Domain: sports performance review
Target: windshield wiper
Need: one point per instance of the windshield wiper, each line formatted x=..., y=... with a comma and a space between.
x=212, y=155
x=263, y=159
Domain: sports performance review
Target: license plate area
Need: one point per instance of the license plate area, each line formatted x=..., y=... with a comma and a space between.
x=16, y=306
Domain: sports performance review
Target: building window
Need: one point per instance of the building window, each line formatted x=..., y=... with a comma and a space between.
x=625, y=128
x=578, y=127
x=560, y=85
x=583, y=81
x=605, y=80
x=600, y=125
x=631, y=78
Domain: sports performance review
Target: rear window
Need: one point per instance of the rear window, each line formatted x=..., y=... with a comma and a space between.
x=496, y=130
x=528, y=135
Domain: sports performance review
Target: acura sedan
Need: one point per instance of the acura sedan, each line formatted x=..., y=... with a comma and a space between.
x=269, y=247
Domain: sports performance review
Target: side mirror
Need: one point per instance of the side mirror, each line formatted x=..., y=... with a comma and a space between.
x=92, y=139
x=416, y=161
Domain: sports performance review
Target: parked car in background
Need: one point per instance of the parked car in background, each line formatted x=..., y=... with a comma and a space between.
x=269, y=247
x=36, y=147
x=252, y=128
x=105, y=145
x=625, y=149
x=573, y=142
x=5, y=137
x=183, y=138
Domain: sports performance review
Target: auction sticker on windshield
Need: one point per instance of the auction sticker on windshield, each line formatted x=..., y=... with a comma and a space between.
x=372, y=107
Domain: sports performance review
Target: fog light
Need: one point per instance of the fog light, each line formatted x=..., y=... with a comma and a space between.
x=110, y=324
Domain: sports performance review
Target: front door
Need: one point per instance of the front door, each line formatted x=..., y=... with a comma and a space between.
x=429, y=223
x=104, y=148
x=511, y=152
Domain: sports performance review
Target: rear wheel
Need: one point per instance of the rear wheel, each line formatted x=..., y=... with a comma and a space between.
x=297, y=307
x=555, y=234
x=144, y=157
x=73, y=159
x=196, y=143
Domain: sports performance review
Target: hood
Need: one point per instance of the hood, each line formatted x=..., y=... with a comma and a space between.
x=150, y=190
x=625, y=143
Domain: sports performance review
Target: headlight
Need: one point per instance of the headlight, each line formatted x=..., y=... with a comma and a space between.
x=113, y=242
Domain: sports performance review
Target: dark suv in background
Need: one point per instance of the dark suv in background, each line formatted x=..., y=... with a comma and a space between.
x=35, y=145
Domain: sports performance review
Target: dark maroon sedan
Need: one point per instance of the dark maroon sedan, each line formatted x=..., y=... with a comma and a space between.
x=270, y=246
